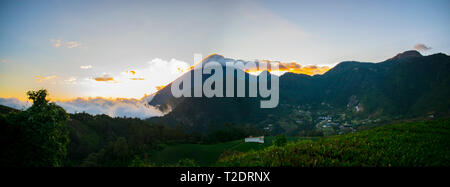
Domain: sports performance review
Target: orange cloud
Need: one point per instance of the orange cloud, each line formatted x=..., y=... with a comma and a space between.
x=134, y=73
x=105, y=78
x=40, y=78
x=131, y=71
x=159, y=87
x=292, y=67
x=311, y=70
x=137, y=79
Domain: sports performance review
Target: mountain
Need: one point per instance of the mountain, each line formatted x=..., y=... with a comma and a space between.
x=164, y=99
x=200, y=112
x=350, y=94
x=407, y=54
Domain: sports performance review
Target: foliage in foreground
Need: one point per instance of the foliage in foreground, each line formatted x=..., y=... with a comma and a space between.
x=280, y=140
x=36, y=136
x=409, y=144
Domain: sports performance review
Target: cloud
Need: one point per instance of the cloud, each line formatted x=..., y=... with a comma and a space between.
x=112, y=107
x=40, y=78
x=67, y=44
x=160, y=87
x=105, y=78
x=72, y=44
x=131, y=72
x=137, y=79
x=292, y=67
x=86, y=67
x=421, y=47
x=136, y=82
x=14, y=103
x=71, y=80
x=3, y=61
x=56, y=43
x=132, y=82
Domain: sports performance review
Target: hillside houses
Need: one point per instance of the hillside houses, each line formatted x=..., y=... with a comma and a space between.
x=259, y=139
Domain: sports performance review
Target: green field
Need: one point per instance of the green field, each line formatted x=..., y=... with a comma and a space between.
x=206, y=154
x=413, y=144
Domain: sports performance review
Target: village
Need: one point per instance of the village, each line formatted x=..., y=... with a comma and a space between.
x=306, y=121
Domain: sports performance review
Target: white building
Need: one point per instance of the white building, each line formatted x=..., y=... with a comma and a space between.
x=255, y=139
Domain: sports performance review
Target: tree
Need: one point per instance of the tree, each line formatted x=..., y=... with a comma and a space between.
x=280, y=140
x=36, y=136
x=117, y=153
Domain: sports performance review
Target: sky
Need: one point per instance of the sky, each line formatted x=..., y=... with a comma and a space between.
x=126, y=49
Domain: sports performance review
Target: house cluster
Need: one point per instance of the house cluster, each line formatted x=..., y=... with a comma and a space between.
x=268, y=128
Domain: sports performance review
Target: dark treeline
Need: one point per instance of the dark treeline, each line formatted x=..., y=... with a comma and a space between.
x=105, y=141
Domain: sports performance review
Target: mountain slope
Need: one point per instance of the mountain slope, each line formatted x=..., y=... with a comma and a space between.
x=407, y=85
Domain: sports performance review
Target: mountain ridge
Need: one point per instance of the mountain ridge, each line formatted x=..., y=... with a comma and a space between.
x=405, y=85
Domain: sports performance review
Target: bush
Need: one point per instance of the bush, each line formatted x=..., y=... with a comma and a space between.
x=280, y=140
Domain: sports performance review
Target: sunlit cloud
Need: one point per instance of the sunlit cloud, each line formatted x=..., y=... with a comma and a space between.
x=14, y=103
x=71, y=80
x=3, y=61
x=137, y=79
x=421, y=47
x=133, y=82
x=284, y=67
x=104, y=78
x=44, y=78
x=119, y=107
x=86, y=67
x=131, y=72
x=160, y=87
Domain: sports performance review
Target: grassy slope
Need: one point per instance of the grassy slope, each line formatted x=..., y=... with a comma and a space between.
x=206, y=154
x=408, y=144
x=202, y=154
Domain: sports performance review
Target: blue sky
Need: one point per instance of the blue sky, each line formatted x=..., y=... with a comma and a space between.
x=54, y=39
